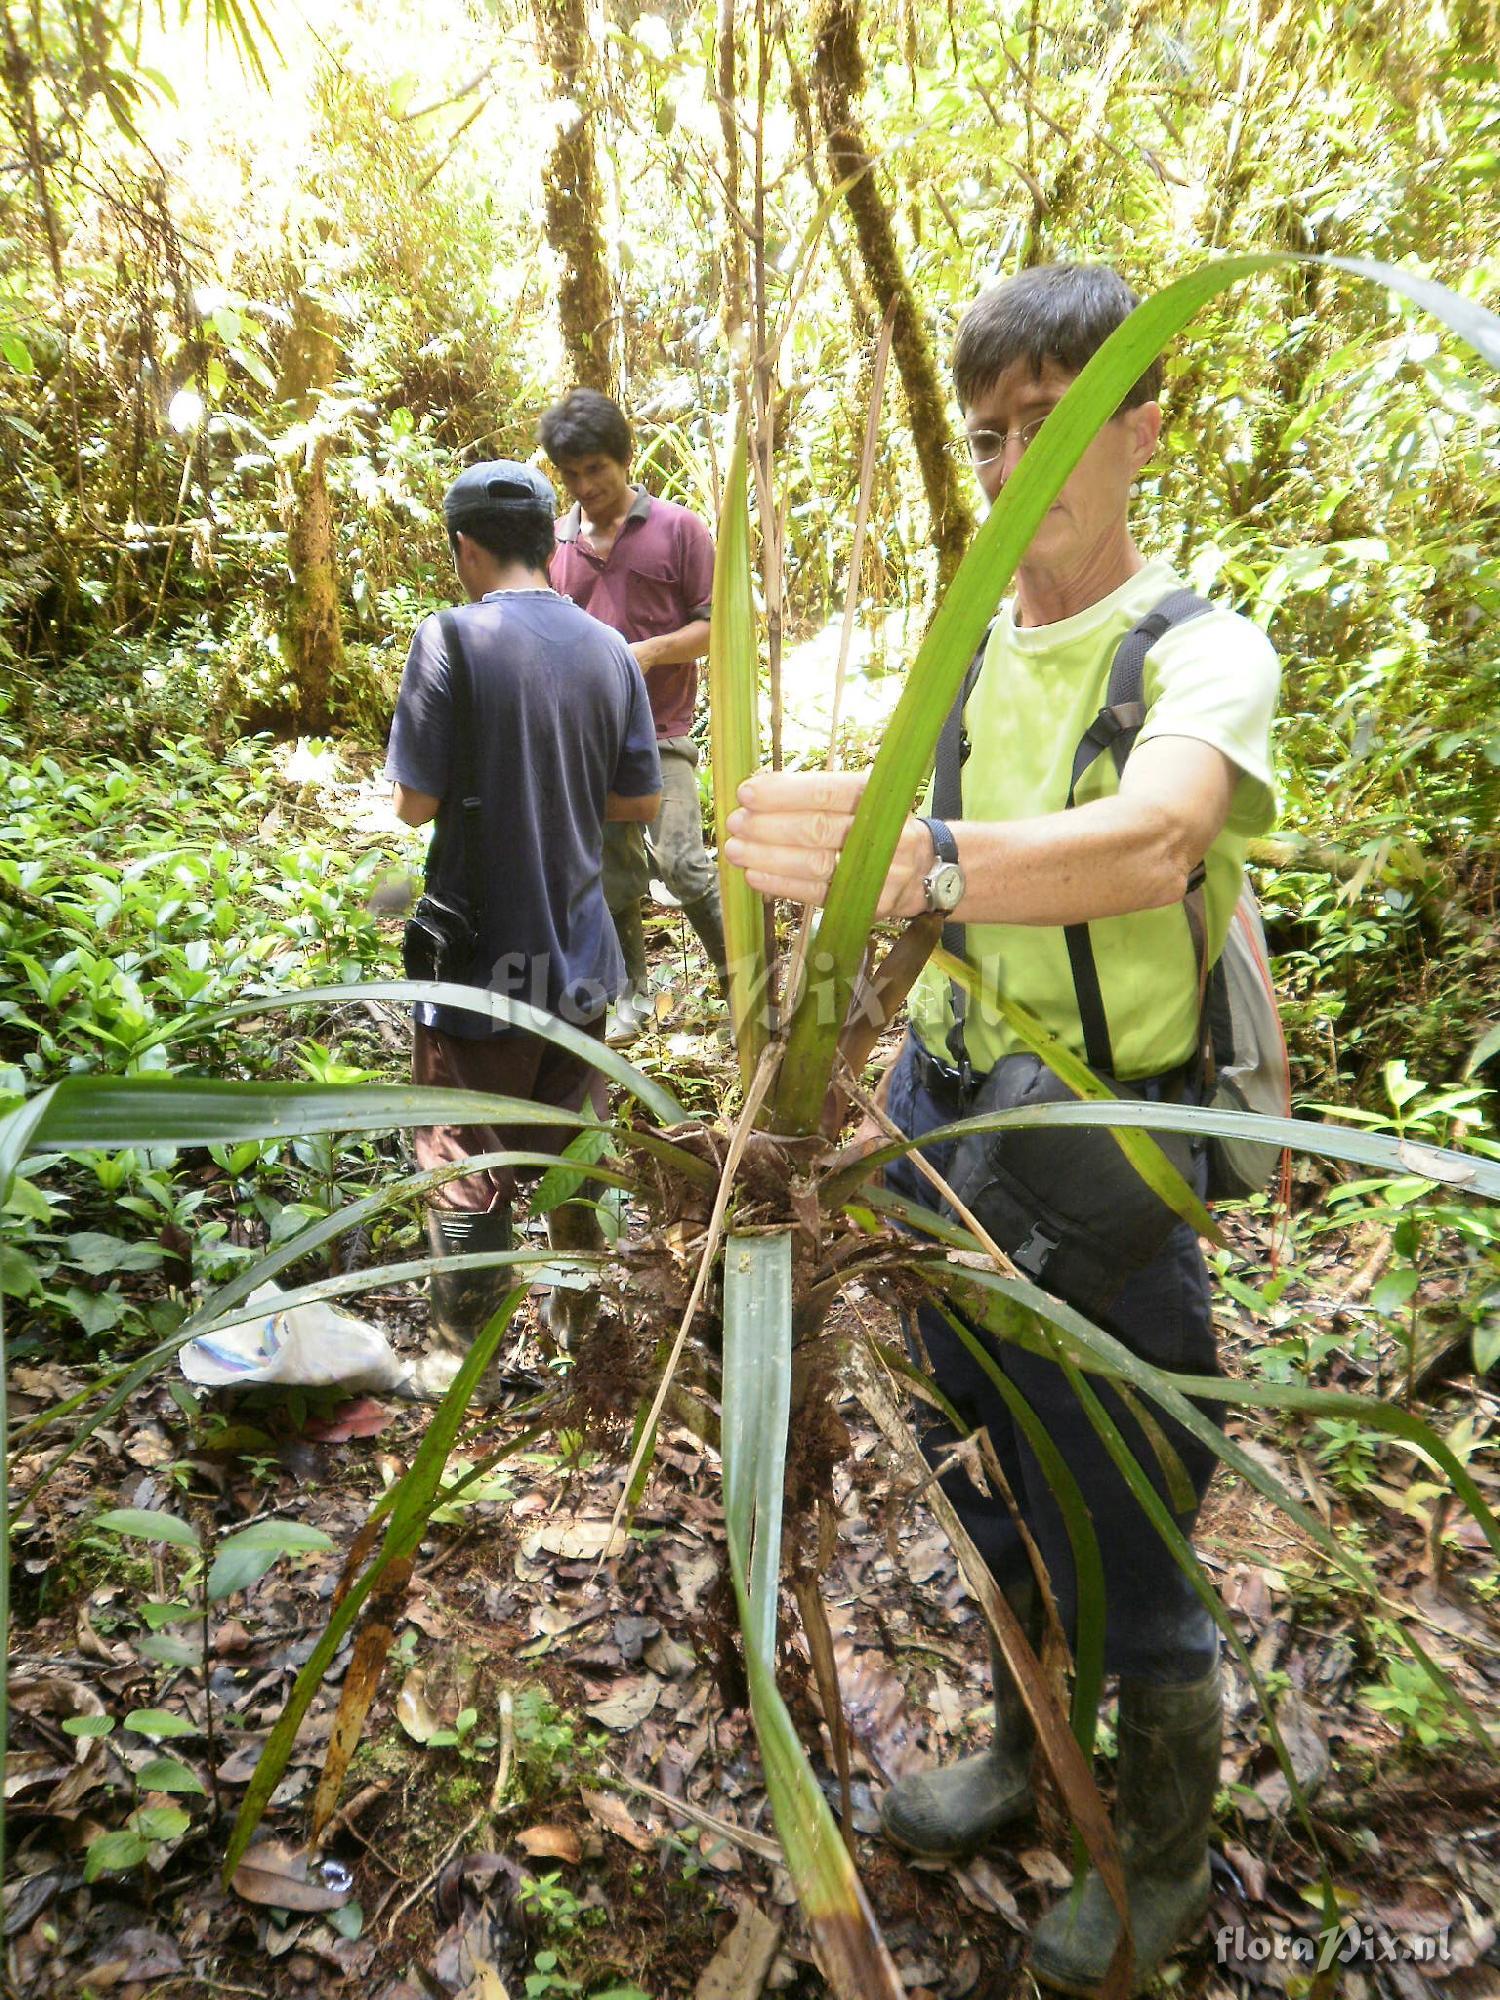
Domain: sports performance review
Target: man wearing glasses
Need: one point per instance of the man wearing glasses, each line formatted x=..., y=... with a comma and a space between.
x=1027, y=866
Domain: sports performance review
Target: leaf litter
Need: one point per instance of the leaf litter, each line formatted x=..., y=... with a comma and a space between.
x=631, y=1842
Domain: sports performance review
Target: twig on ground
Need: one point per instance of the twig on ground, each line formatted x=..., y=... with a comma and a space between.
x=753, y=1843
x=435, y=1870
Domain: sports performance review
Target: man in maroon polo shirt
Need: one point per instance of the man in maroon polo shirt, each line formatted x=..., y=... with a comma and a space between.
x=646, y=567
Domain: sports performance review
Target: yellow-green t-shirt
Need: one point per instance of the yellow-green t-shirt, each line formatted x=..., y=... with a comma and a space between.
x=1213, y=678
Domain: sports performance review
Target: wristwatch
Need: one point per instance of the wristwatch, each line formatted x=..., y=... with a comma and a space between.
x=944, y=887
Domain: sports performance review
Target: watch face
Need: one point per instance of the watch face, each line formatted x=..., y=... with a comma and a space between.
x=945, y=886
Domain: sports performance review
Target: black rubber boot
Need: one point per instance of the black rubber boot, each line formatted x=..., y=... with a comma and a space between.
x=1168, y=1774
x=946, y=1813
x=571, y=1310
x=460, y=1303
x=707, y=920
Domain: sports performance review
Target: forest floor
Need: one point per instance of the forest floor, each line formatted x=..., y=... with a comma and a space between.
x=631, y=1849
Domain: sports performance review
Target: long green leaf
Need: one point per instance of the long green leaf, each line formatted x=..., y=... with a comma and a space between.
x=1156, y=1510
x=1092, y=1348
x=907, y=747
x=756, y=1392
x=417, y=1494
x=1088, y=1564
x=502, y=1011
x=734, y=722
x=1401, y=1158
x=103, y=1112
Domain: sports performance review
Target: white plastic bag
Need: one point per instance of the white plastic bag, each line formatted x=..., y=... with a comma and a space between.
x=310, y=1346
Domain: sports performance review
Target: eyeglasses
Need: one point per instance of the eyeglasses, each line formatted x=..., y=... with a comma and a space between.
x=982, y=448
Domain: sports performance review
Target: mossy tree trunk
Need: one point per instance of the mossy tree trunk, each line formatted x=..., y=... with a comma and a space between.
x=312, y=639
x=839, y=72
x=736, y=275
x=572, y=195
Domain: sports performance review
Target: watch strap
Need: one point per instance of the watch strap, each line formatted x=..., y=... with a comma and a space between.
x=944, y=845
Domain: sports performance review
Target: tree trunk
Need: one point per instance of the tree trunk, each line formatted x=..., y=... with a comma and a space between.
x=838, y=67
x=736, y=274
x=572, y=195
x=312, y=639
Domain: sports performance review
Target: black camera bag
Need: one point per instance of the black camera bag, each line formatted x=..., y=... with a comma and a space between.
x=441, y=939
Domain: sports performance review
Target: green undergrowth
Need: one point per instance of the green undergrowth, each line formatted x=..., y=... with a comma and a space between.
x=135, y=895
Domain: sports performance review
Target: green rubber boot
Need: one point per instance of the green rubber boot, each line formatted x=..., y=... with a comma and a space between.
x=707, y=920
x=1168, y=1774
x=947, y=1813
x=632, y=1011
x=460, y=1303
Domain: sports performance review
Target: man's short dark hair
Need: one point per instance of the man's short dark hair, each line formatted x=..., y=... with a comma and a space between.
x=585, y=424
x=519, y=535
x=1062, y=313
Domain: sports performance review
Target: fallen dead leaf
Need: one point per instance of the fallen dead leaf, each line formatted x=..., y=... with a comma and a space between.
x=25, y=1770
x=719, y=1853
x=693, y=1576
x=670, y=1658
x=1043, y=1866
x=1307, y=1747
x=738, y=1969
x=925, y=1559
x=577, y=1541
x=555, y=1843
x=428, y=1617
x=276, y=1874
x=413, y=1711
x=981, y=1884
x=614, y=1816
x=630, y=1703
x=231, y=1638
x=361, y=1417
x=947, y=1704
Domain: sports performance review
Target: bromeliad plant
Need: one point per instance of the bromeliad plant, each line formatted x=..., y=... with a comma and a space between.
x=777, y=1223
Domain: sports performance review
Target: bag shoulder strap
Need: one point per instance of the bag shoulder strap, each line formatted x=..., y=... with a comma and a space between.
x=1115, y=729
x=947, y=804
x=464, y=768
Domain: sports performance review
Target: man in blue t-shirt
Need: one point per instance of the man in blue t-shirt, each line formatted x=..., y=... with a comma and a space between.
x=563, y=741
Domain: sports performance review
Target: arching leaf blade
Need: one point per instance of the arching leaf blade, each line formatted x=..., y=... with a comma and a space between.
x=734, y=723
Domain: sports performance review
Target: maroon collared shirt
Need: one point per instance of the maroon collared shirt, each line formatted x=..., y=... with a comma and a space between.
x=657, y=577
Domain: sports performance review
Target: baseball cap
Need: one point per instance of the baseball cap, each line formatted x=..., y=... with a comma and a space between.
x=499, y=486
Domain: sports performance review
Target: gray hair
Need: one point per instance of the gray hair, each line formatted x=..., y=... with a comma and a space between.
x=1062, y=313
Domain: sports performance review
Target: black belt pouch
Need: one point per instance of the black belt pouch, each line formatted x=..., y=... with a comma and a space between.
x=440, y=942
x=1063, y=1201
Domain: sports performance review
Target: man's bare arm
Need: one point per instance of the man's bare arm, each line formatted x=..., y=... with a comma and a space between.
x=643, y=808
x=672, y=649
x=414, y=808
x=1131, y=852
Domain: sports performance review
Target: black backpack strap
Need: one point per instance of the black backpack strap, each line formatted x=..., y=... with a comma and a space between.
x=1115, y=729
x=947, y=804
x=463, y=772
